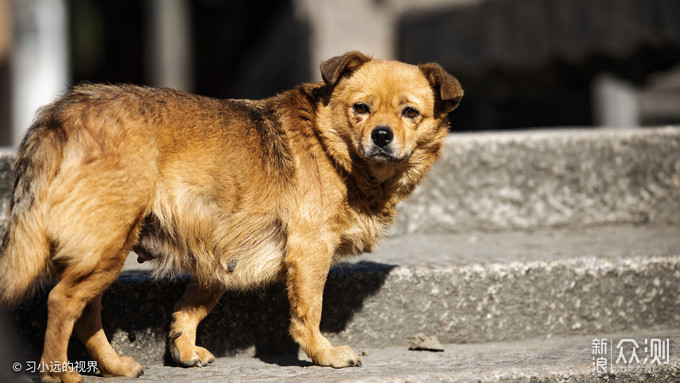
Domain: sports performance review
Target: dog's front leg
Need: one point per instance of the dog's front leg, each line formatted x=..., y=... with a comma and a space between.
x=307, y=265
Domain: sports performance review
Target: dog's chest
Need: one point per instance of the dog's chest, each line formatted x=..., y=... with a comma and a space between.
x=361, y=232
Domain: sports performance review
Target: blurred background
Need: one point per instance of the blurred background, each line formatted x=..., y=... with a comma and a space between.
x=523, y=63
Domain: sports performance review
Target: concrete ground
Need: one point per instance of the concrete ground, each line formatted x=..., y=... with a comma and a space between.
x=538, y=360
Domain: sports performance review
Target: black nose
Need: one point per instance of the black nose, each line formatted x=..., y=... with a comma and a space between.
x=382, y=136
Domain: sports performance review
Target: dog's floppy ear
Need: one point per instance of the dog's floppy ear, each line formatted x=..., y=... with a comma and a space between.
x=445, y=86
x=333, y=69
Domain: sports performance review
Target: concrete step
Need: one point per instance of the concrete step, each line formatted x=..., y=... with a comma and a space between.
x=537, y=179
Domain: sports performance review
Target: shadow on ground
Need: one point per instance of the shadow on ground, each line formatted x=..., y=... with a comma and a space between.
x=142, y=308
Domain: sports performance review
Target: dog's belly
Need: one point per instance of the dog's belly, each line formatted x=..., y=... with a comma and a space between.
x=238, y=255
x=255, y=266
x=259, y=265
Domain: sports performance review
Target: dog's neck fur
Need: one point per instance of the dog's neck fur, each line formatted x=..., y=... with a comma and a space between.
x=372, y=190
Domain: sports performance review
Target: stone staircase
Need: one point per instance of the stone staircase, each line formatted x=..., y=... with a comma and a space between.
x=520, y=252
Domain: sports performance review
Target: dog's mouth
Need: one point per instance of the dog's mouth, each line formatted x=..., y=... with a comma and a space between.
x=384, y=155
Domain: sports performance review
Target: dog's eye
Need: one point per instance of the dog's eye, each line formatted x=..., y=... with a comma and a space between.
x=361, y=108
x=410, y=112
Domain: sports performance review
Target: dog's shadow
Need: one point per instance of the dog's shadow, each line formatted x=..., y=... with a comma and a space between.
x=260, y=319
x=139, y=311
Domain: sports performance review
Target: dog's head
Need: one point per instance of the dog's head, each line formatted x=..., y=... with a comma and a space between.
x=387, y=110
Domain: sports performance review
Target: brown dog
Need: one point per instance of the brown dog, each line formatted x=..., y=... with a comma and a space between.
x=237, y=193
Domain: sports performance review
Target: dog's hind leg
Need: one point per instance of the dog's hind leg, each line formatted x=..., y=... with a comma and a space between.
x=76, y=289
x=90, y=238
x=90, y=331
x=195, y=304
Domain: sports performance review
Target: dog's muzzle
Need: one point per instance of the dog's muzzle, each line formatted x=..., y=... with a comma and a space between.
x=380, y=149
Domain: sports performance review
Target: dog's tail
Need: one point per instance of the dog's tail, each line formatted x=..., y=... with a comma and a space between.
x=25, y=252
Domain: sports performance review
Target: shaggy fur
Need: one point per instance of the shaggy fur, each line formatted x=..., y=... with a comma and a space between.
x=237, y=193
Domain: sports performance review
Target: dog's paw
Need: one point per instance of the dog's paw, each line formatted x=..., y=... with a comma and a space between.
x=191, y=356
x=65, y=377
x=124, y=366
x=338, y=357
